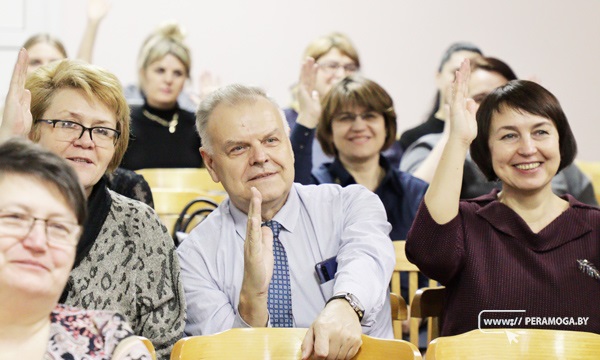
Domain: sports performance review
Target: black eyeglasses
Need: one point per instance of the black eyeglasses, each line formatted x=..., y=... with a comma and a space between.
x=70, y=130
x=348, y=117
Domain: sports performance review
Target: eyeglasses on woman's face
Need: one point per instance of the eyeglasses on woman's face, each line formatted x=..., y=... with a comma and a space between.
x=331, y=67
x=349, y=117
x=59, y=232
x=67, y=130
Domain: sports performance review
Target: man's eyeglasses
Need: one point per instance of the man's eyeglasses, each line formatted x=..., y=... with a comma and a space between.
x=332, y=67
x=59, y=233
x=70, y=130
x=348, y=117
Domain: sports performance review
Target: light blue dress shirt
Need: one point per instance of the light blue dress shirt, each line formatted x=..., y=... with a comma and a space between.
x=319, y=222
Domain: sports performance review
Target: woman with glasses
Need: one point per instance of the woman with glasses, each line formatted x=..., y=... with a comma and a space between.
x=163, y=134
x=335, y=57
x=357, y=122
x=125, y=260
x=42, y=210
x=45, y=48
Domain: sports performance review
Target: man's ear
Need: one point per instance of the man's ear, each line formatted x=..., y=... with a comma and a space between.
x=209, y=163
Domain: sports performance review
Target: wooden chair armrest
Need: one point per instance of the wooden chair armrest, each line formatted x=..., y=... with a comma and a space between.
x=399, y=308
x=428, y=302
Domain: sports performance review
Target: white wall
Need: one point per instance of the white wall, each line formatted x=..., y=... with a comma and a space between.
x=400, y=43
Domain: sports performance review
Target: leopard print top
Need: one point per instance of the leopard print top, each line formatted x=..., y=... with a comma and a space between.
x=133, y=269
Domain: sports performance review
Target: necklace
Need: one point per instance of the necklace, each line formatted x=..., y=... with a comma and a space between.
x=170, y=124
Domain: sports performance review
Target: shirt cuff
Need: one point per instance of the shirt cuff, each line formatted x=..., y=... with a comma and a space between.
x=239, y=322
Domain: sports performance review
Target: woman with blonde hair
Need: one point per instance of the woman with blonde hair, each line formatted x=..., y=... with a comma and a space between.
x=163, y=134
x=334, y=56
x=43, y=49
x=125, y=259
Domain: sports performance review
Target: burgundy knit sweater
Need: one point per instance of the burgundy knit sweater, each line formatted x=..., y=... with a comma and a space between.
x=489, y=259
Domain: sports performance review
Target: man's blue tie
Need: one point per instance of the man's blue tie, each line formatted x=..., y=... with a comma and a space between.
x=280, y=293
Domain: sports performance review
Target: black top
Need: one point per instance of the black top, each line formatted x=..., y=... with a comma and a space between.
x=400, y=192
x=433, y=125
x=152, y=145
x=130, y=184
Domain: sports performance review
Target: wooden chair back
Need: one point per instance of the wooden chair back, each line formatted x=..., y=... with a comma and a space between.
x=429, y=303
x=149, y=346
x=277, y=343
x=169, y=203
x=403, y=265
x=172, y=201
x=526, y=344
x=180, y=178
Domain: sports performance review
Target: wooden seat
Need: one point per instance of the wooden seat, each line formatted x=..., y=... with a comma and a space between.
x=429, y=303
x=527, y=344
x=403, y=265
x=277, y=343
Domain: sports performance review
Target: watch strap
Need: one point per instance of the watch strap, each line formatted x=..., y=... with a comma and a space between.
x=354, y=303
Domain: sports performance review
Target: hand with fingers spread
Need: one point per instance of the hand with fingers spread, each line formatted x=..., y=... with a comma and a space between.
x=308, y=97
x=16, y=119
x=443, y=196
x=207, y=83
x=335, y=334
x=258, y=266
x=462, y=110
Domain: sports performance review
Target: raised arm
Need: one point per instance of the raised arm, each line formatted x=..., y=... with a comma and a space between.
x=97, y=10
x=303, y=133
x=16, y=118
x=207, y=83
x=308, y=97
x=442, y=197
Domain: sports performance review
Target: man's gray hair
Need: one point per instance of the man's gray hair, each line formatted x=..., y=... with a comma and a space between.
x=230, y=95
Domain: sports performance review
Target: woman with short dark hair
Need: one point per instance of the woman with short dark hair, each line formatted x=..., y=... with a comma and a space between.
x=357, y=122
x=513, y=248
x=42, y=211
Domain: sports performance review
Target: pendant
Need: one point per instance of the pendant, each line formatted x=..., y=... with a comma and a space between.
x=172, y=129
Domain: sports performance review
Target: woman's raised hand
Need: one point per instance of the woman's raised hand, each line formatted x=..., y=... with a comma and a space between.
x=463, y=125
x=308, y=97
x=97, y=9
x=16, y=119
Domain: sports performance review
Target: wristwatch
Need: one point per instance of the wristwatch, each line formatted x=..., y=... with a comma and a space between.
x=353, y=301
